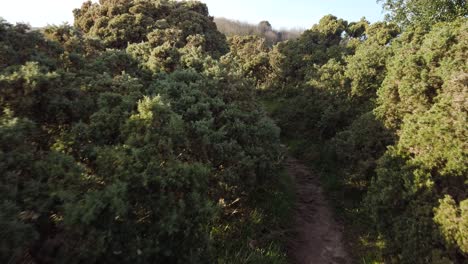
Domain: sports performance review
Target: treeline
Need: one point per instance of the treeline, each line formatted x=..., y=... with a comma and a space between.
x=263, y=29
x=382, y=109
x=127, y=138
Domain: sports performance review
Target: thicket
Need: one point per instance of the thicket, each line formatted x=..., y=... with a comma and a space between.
x=137, y=135
x=124, y=138
x=382, y=111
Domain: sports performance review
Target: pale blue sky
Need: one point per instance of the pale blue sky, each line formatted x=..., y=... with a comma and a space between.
x=295, y=13
x=280, y=13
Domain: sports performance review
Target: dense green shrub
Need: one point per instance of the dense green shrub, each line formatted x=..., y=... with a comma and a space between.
x=250, y=54
x=386, y=111
x=425, y=12
x=423, y=98
x=121, y=155
x=122, y=22
x=136, y=136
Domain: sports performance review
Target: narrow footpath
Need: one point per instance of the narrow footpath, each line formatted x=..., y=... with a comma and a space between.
x=317, y=237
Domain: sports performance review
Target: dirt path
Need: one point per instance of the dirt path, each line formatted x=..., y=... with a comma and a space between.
x=317, y=237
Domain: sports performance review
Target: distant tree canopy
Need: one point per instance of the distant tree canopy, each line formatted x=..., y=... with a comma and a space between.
x=263, y=29
x=264, y=26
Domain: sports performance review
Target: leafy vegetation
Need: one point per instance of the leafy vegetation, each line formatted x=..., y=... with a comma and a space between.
x=382, y=111
x=123, y=137
x=141, y=134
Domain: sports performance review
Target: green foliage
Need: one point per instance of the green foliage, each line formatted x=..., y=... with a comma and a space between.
x=359, y=146
x=433, y=138
x=339, y=78
x=357, y=29
x=399, y=199
x=383, y=115
x=425, y=12
x=453, y=221
x=135, y=135
x=121, y=155
x=242, y=233
x=429, y=115
x=366, y=68
x=251, y=55
x=423, y=62
x=119, y=23
x=291, y=60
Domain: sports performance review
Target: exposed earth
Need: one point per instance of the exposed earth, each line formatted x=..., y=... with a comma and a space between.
x=317, y=237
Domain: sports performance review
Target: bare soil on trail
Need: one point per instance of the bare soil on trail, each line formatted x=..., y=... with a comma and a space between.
x=317, y=237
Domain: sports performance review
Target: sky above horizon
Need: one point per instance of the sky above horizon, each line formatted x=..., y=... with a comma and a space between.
x=280, y=13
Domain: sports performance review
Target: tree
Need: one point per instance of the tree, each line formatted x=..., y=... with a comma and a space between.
x=264, y=29
x=264, y=26
x=425, y=12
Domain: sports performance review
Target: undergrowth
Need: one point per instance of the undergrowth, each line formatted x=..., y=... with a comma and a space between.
x=254, y=229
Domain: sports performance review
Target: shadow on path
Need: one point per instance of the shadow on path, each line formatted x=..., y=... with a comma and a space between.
x=317, y=237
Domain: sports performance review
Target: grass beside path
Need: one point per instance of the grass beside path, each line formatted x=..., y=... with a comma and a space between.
x=254, y=230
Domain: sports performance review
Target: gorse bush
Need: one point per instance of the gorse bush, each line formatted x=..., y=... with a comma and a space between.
x=118, y=136
x=384, y=106
x=428, y=111
x=136, y=135
x=122, y=22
